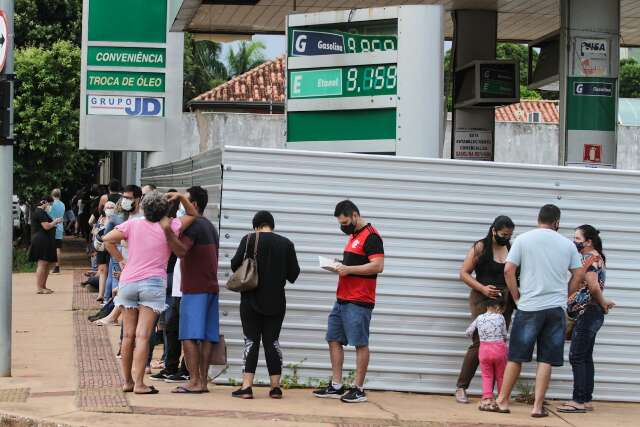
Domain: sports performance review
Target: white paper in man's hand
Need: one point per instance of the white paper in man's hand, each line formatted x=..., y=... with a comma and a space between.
x=328, y=264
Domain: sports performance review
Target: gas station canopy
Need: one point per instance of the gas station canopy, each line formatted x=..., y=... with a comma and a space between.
x=518, y=20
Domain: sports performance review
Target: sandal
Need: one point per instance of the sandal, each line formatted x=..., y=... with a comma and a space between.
x=568, y=408
x=487, y=406
x=45, y=291
x=184, y=390
x=542, y=414
x=152, y=390
x=461, y=396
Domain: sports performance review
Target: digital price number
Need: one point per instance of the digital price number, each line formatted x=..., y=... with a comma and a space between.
x=371, y=80
x=363, y=80
x=362, y=44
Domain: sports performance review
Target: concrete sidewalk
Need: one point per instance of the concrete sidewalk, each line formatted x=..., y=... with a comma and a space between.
x=65, y=373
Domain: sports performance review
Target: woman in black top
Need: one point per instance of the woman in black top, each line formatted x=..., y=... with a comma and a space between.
x=487, y=258
x=43, y=243
x=262, y=309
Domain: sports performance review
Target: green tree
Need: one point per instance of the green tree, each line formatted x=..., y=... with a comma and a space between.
x=40, y=23
x=248, y=55
x=629, y=79
x=46, y=103
x=203, y=69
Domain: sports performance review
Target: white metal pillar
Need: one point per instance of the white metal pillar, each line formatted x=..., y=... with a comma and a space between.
x=589, y=63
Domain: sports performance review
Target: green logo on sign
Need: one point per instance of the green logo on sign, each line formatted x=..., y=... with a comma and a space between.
x=315, y=83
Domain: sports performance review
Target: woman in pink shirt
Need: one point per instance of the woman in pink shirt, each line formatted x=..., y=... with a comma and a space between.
x=143, y=280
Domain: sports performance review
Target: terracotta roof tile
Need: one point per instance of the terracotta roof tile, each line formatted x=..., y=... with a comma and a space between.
x=265, y=83
x=520, y=112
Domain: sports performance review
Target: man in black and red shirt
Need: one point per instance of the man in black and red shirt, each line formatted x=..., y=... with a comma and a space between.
x=349, y=320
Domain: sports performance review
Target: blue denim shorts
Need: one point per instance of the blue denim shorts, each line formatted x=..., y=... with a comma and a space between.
x=544, y=328
x=149, y=292
x=349, y=324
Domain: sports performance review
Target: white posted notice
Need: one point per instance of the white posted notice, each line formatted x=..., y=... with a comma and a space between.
x=472, y=144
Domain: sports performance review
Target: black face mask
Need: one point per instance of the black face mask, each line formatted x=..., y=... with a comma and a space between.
x=502, y=241
x=348, y=229
x=579, y=246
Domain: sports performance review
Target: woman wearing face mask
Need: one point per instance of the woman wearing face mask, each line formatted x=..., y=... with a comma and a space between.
x=587, y=307
x=43, y=244
x=487, y=259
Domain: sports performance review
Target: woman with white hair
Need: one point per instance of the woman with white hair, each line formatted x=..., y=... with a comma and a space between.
x=142, y=287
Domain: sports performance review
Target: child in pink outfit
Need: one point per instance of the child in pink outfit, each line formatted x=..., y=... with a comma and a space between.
x=492, y=330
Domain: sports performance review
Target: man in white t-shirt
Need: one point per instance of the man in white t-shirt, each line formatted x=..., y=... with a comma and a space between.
x=544, y=257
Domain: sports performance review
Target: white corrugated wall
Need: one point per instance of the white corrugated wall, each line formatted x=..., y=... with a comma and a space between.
x=429, y=212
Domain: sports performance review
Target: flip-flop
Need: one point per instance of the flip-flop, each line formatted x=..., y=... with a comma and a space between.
x=152, y=390
x=205, y=391
x=569, y=409
x=183, y=390
x=495, y=408
x=45, y=291
x=542, y=414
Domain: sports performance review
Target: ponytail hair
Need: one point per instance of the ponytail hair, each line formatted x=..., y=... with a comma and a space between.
x=500, y=223
x=591, y=233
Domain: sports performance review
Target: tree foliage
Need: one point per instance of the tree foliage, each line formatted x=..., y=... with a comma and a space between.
x=629, y=79
x=41, y=23
x=203, y=68
x=249, y=55
x=46, y=104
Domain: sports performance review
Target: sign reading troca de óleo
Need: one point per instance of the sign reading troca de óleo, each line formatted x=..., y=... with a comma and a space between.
x=125, y=80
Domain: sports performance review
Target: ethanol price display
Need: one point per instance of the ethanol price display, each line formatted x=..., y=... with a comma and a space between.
x=362, y=80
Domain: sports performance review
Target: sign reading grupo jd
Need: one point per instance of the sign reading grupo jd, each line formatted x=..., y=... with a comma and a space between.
x=125, y=74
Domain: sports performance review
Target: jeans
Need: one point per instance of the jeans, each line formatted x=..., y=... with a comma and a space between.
x=581, y=352
x=348, y=324
x=543, y=329
x=108, y=287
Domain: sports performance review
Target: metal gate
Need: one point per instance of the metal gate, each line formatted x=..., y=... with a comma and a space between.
x=429, y=212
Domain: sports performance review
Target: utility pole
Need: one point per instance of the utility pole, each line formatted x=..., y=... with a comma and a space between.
x=6, y=182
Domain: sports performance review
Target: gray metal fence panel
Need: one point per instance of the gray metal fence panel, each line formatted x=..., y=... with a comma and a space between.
x=429, y=212
x=203, y=169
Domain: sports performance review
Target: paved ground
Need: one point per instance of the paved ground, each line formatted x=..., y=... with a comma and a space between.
x=65, y=373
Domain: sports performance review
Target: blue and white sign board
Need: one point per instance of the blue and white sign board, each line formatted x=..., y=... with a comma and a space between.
x=111, y=105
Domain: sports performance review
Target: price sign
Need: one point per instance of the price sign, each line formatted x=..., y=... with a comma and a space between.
x=364, y=80
x=315, y=43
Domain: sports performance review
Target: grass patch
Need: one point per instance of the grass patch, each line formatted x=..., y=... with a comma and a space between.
x=21, y=263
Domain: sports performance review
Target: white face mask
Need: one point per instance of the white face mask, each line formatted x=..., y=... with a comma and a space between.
x=181, y=211
x=109, y=212
x=127, y=204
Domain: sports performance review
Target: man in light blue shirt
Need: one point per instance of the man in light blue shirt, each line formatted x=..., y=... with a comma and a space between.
x=544, y=257
x=57, y=211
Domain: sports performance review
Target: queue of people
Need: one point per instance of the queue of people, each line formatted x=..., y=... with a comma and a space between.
x=157, y=260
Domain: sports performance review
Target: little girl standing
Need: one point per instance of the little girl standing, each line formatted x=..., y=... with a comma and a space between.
x=492, y=330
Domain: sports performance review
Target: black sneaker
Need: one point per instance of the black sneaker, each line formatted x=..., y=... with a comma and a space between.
x=55, y=270
x=354, y=395
x=177, y=378
x=329, y=392
x=246, y=393
x=160, y=376
x=275, y=393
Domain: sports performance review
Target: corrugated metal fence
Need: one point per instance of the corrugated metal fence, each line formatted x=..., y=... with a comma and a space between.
x=428, y=212
x=204, y=170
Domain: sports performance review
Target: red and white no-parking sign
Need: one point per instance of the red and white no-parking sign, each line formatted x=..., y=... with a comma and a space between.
x=4, y=39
